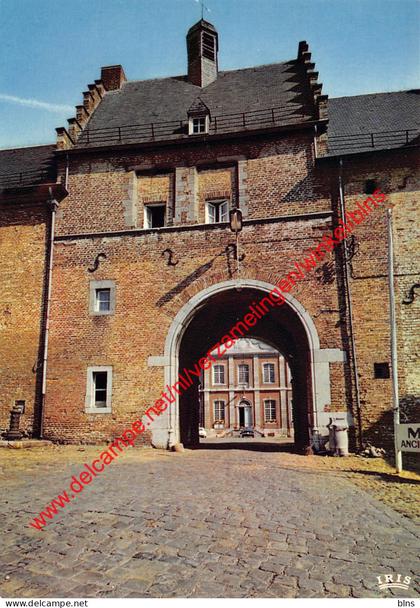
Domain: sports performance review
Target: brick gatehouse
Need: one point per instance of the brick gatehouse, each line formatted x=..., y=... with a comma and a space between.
x=118, y=265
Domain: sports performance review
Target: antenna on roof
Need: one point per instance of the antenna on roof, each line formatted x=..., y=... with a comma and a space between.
x=203, y=8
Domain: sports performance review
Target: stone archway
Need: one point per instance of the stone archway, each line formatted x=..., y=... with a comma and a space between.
x=166, y=430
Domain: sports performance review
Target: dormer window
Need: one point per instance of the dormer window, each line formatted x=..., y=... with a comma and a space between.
x=198, y=118
x=198, y=125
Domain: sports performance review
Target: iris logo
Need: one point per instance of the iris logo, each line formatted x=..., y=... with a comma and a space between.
x=393, y=581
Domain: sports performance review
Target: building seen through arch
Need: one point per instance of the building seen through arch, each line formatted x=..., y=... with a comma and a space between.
x=249, y=387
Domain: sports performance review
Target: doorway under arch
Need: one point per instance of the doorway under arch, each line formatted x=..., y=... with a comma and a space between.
x=209, y=316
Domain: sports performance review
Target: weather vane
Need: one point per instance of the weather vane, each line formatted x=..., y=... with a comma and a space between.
x=203, y=8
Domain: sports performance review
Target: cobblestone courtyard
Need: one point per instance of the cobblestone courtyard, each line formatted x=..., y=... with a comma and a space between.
x=205, y=523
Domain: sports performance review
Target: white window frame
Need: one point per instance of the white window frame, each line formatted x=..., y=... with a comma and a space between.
x=240, y=366
x=214, y=375
x=96, y=286
x=147, y=215
x=210, y=211
x=99, y=301
x=266, y=404
x=191, y=125
x=223, y=402
x=266, y=366
x=90, y=407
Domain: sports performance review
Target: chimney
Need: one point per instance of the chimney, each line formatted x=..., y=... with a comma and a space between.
x=113, y=77
x=202, y=48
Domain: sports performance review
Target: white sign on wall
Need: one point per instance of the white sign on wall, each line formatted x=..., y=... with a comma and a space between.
x=408, y=437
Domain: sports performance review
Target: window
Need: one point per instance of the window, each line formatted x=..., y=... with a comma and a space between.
x=243, y=374
x=268, y=373
x=219, y=411
x=102, y=298
x=209, y=46
x=154, y=215
x=370, y=186
x=217, y=211
x=198, y=124
x=99, y=384
x=218, y=374
x=99, y=389
x=381, y=370
x=269, y=410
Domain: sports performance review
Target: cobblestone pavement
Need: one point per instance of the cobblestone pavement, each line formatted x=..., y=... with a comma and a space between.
x=205, y=523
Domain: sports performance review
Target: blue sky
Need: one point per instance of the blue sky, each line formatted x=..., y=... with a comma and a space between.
x=51, y=49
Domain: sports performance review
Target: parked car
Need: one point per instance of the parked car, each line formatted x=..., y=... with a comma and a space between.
x=202, y=432
x=247, y=432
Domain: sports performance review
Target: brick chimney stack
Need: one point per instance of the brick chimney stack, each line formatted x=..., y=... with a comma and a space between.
x=202, y=48
x=113, y=77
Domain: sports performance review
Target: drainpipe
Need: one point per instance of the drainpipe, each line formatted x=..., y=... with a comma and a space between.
x=53, y=206
x=350, y=307
x=66, y=176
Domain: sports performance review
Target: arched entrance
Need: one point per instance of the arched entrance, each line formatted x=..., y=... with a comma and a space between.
x=209, y=316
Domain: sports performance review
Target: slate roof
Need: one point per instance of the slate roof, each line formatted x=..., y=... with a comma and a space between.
x=381, y=119
x=27, y=166
x=352, y=120
x=254, y=91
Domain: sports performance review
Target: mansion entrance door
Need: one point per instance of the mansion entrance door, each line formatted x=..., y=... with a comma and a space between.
x=245, y=414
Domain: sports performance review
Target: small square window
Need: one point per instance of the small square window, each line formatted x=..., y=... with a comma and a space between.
x=199, y=125
x=381, y=370
x=154, y=216
x=217, y=212
x=102, y=300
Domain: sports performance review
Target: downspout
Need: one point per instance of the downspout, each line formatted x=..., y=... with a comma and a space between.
x=66, y=176
x=53, y=205
x=350, y=307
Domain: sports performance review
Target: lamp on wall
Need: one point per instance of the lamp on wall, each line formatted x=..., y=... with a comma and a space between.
x=235, y=221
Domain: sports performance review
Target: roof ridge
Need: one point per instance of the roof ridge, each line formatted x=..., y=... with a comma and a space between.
x=53, y=145
x=253, y=67
x=375, y=93
x=185, y=76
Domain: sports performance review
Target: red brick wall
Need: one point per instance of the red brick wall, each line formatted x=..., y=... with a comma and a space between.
x=147, y=298
x=22, y=267
x=281, y=179
x=397, y=175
